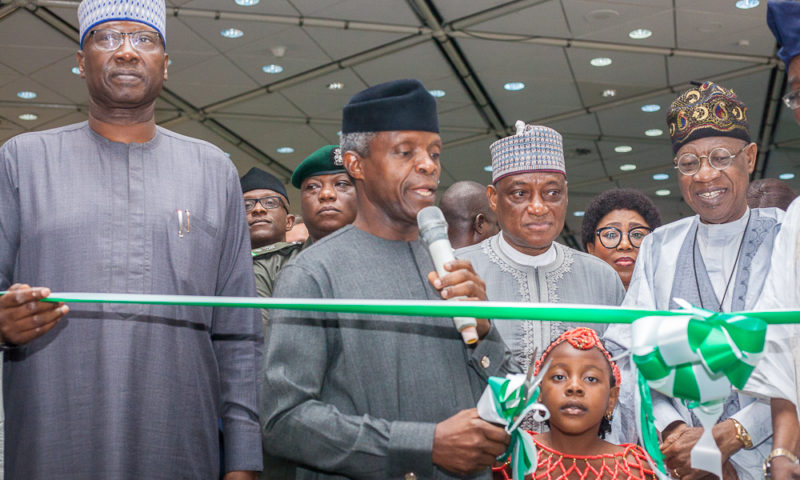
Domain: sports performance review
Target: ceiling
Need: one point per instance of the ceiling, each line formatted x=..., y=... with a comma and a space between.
x=470, y=49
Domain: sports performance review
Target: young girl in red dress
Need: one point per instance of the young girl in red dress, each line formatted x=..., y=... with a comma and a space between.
x=580, y=390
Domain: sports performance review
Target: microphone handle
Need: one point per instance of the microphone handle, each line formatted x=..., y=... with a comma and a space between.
x=442, y=252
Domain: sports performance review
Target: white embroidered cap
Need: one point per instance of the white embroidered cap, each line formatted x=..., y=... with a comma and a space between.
x=149, y=12
x=534, y=148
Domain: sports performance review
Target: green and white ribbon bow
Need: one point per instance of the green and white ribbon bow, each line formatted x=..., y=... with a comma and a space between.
x=696, y=358
x=506, y=402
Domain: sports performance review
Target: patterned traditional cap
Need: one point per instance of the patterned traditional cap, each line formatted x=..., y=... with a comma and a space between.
x=783, y=18
x=152, y=13
x=581, y=338
x=534, y=148
x=325, y=161
x=709, y=110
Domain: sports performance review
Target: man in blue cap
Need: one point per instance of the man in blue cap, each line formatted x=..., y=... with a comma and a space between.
x=119, y=205
x=381, y=396
x=776, y=375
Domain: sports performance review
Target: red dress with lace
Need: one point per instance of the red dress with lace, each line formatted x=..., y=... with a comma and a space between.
x=629, y=464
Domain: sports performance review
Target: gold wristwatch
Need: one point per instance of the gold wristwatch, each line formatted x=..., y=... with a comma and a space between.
x=778, y=452
x=742, y=435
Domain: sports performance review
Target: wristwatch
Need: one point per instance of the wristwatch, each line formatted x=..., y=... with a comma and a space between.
x=778, y=452
x=742, y=435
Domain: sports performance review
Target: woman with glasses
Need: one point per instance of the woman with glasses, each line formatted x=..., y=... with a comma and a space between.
x=615, y=223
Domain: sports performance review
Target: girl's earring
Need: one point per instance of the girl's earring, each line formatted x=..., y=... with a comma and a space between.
x=609, y=416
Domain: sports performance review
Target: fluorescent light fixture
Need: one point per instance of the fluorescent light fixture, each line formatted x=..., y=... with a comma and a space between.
x=600, y=62
x=272, y=68
x=653, y=132
x=651, y=107
x=627, y=167
x=335, y=86
x=247, y=3
x=231, y=33
x=487, y=168
x=514, y=86
x=623, y=148
x=579, y=213
x=609, y=92
x=76, y=70
x=28, y=116
x=26, y=95
x=437, y=93
x=786, y=176
x=640, y=34
x=663, y=193
x=286, y=150
x=660, y=176
x=747, y=4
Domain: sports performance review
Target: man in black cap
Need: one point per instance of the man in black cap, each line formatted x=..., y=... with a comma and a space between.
x=327, y=194
x=267, y=208
x=381, y=396
x=469, y=218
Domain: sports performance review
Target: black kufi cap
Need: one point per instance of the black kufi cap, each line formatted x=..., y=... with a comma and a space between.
x=256, y=179
x=391, y=106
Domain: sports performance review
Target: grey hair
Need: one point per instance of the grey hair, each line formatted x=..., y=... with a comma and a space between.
x=357, y=142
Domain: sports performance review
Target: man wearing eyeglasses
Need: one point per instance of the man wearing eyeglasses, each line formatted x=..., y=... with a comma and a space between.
x=717, y=260
x=124, y=391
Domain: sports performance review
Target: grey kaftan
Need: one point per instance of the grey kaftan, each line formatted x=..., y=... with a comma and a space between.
x=573, y=277
x=128, y=391
x=359, y=396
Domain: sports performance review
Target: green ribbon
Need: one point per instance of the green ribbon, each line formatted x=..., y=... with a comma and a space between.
x=647, y=429
x=508, y=407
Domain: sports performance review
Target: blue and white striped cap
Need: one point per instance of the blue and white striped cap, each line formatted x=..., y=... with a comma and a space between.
x=534, y=148
x=149, y=12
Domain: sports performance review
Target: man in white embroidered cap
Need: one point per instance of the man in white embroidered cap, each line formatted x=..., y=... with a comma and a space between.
x=524, y=263
x=119, y=205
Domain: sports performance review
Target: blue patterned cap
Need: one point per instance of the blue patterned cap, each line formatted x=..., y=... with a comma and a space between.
x=152, y=13
x=534, y=148
x=783, y=18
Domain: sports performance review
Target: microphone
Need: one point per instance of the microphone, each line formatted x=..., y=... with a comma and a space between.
x=433, y=230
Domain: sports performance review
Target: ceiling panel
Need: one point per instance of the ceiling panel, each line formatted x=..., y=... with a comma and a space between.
x=717, y=25
x=520, y=22
x=274, y=7
x=382, y=11
x=613, y=21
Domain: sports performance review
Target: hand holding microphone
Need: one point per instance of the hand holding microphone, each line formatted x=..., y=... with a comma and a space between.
x=433, y=230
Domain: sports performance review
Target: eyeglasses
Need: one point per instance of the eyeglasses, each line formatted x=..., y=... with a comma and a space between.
x=792, y=99
x=109, y=40
x=266, y=202
x=611, y=237
x=719, y=158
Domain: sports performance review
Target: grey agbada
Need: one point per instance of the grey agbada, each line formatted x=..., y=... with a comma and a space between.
x=128, y=391
x=361, y=394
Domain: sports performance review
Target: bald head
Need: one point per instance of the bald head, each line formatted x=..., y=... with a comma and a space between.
x=769, y=192
x=469, y=218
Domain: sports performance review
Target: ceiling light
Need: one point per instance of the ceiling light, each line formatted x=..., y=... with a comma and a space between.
x=247, y=3
x=28, y=116
x=786, y=176
x=663, y=193
x=514, y=86
x=660, y=176
x=26, y=95
x=228, y=154
x=231, y=33
x=169, y=62
x=487, y=168
x=747, y=4
x=627, y=167
x=272, y=68
x=76, y=70
x=600, y=62
x=640, y=34
x=609, y=92
x=335, y=86
x=653, y=132
x=623, y=148
x=578, y=213
x=286, y=150
x=651, y=107
x=339, y=133
x=437, y=93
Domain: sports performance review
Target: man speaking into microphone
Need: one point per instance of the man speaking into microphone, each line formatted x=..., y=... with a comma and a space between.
x=381, y=396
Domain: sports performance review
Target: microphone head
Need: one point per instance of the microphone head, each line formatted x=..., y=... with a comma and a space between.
x=432, y=225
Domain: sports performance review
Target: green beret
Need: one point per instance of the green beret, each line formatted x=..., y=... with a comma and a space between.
x=325, y=161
